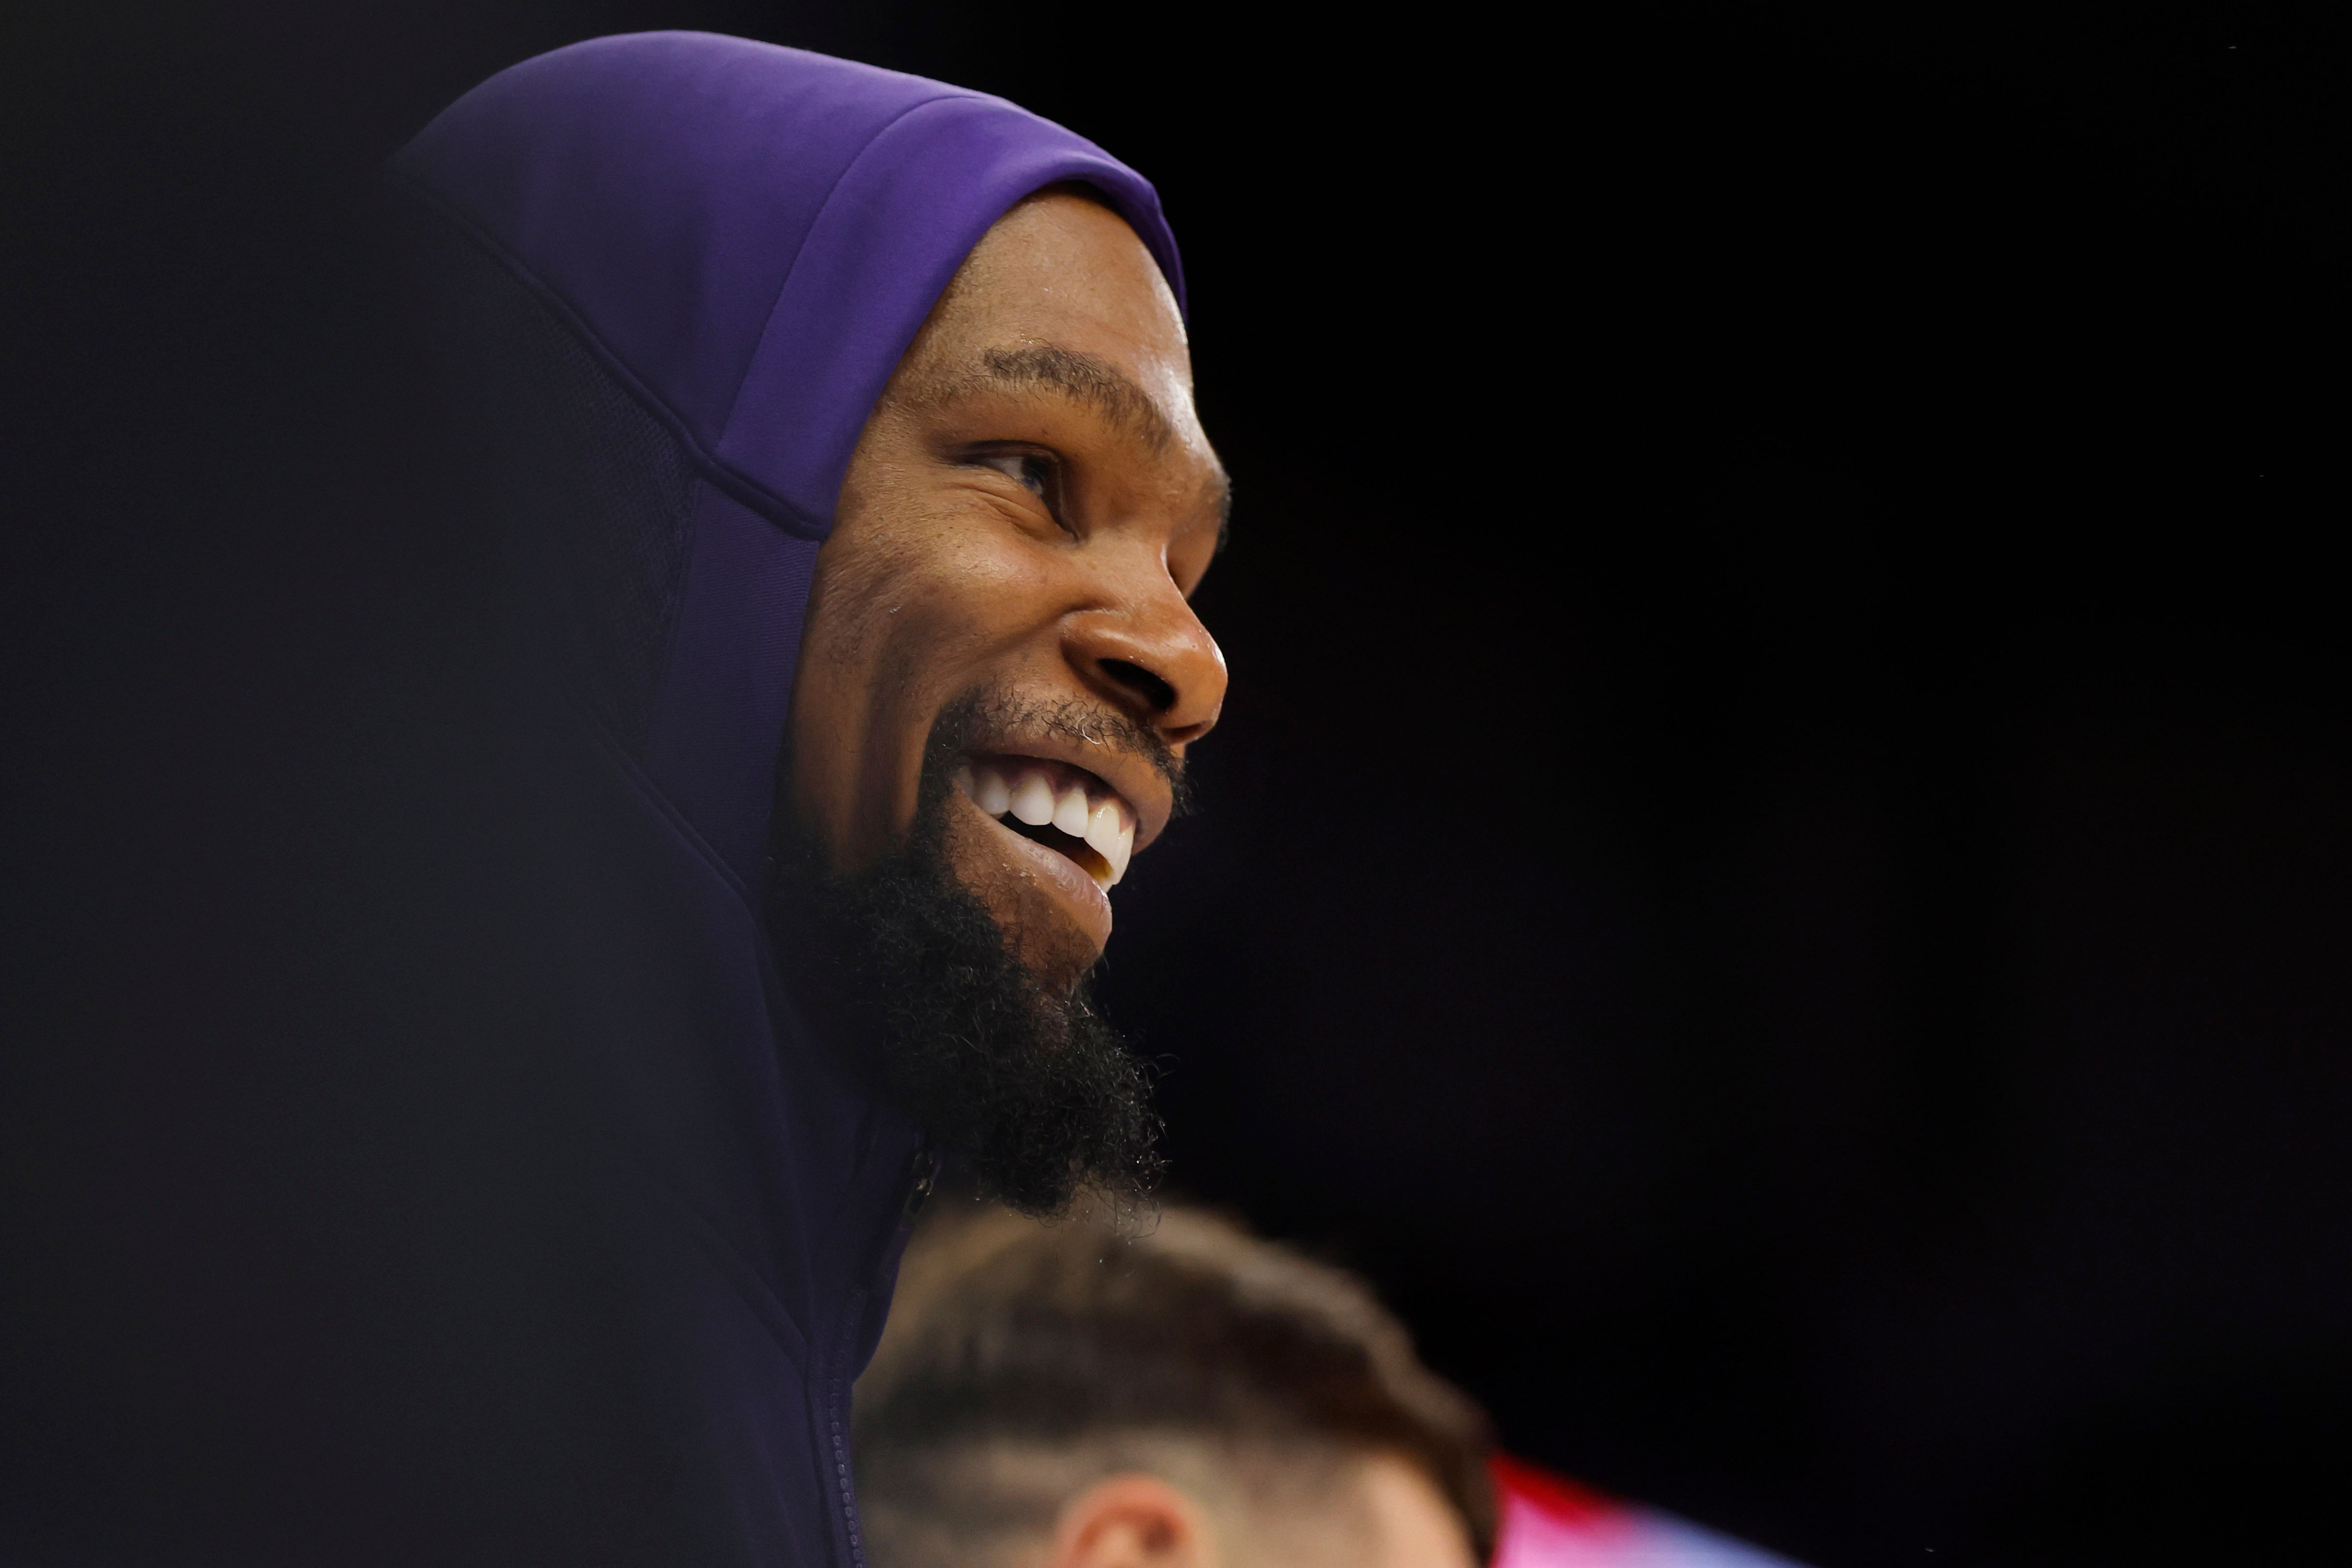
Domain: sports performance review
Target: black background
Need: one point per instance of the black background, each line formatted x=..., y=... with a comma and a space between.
x=1776, y=869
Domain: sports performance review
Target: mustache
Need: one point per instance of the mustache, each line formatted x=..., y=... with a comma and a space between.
x=996, y=716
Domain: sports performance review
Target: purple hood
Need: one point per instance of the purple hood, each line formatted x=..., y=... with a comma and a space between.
x=746, y=237
x=679, y=269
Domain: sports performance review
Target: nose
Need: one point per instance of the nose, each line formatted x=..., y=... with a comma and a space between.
x=1149, y=653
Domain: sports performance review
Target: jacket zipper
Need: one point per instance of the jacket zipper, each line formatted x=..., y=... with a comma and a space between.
x=923, y=1176
x=836, y=1400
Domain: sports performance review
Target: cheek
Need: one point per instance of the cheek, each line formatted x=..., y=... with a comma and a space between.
x=907, y=616
x=950, y=603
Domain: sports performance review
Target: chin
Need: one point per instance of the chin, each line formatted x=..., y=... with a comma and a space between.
x=1048, y=943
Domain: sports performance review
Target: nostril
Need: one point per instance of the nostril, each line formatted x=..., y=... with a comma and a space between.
x=1156, y=694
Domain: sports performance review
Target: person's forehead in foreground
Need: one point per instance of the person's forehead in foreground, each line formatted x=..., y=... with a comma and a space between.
x=1026, y=514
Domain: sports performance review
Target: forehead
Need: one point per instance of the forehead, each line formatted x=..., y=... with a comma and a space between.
x=1061, y=276
x=1066, y=261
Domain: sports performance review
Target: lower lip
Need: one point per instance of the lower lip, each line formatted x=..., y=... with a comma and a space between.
x=1061, y=877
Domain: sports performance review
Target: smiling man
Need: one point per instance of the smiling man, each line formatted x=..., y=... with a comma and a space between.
x=1000, y=677
x=838, y=428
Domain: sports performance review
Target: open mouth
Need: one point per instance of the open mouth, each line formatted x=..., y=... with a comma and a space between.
x=1065, y=809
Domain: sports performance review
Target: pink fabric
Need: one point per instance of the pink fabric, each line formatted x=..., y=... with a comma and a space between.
x=1549, y=1521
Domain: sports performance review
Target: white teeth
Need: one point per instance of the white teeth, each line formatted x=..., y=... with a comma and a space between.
x=1118, y=853
x=1070, y=812
x=1111, y=836
x=961, y=778
x=1103, y=832
x=992, y=794
x=1032, y=799
x=1107, y=829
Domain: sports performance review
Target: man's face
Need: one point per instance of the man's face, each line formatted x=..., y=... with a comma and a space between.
x=1027, y=515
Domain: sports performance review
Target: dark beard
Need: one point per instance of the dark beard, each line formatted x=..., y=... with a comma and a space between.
x=907, y=972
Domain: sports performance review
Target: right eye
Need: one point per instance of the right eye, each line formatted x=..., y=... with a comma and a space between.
x=1039, y=473
x=1031, y=471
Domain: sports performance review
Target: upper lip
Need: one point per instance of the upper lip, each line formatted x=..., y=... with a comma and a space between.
x=1133, y=778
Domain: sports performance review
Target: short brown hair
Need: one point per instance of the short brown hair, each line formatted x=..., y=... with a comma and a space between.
x=1067, y=1336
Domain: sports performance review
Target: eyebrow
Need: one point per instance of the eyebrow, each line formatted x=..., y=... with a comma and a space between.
x=1082, y=377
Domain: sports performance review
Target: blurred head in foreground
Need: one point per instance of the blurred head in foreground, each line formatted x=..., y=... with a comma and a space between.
x=1062, y=1396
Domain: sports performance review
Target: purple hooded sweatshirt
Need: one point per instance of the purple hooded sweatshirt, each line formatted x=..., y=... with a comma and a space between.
x=680, y=268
